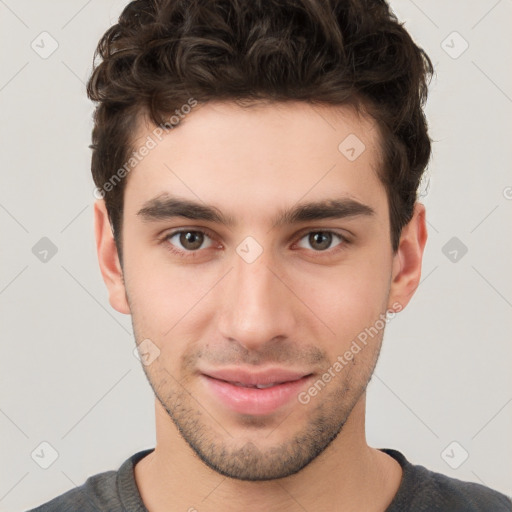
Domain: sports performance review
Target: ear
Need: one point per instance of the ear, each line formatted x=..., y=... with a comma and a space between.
x=109, y=259
x=407, y=260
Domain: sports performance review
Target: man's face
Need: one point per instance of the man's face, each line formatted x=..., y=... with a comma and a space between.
x=253, y=302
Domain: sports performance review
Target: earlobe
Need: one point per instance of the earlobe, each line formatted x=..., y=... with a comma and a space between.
x=108, y=259
x=408, y=260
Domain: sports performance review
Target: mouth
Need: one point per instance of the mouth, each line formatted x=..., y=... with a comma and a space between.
x=254, y=393
x=258, y=386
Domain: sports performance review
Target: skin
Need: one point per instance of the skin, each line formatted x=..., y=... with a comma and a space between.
x=298, y=306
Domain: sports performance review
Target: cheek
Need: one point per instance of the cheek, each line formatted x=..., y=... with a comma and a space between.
x=348, y=298
x=166, y=299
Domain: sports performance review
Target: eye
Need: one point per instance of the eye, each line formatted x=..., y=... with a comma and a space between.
x=188, y=240
x=321, y=240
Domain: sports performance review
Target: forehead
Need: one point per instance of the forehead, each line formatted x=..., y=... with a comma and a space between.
x=248, y=159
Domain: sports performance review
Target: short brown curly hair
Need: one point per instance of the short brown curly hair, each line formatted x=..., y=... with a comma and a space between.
x=162, y=53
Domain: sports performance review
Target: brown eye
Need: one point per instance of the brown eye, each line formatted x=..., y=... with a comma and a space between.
x=188, y=240
x=320, y=240
x=191, y=240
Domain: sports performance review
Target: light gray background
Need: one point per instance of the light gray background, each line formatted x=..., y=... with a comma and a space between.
x=69, y=376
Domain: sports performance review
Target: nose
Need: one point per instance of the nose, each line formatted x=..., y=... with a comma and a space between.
x=258, y=305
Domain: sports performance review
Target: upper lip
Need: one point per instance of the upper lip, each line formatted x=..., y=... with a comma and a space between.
x=253, y=378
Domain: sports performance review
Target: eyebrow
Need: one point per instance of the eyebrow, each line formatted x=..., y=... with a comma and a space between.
x=165, y=207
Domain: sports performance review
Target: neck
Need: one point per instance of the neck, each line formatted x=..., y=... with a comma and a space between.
x=348, y=475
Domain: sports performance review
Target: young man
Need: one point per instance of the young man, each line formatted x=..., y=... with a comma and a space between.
x=256, y=166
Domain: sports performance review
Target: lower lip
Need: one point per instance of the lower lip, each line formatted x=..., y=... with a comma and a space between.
x=253, y=400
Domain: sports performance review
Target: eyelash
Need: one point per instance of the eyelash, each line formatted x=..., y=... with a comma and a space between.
x=192, y=254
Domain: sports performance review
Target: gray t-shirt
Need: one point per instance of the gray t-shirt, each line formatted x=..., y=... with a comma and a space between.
x=420, y=490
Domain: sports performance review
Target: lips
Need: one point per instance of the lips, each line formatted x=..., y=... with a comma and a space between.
x=261, y=379
x=254, y=393
x=259, y=386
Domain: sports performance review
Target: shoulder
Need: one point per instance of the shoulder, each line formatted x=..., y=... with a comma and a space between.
x=456, y=494
x=89, y=496
x=425, y=490
x=95, y=494
x=112, y=491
